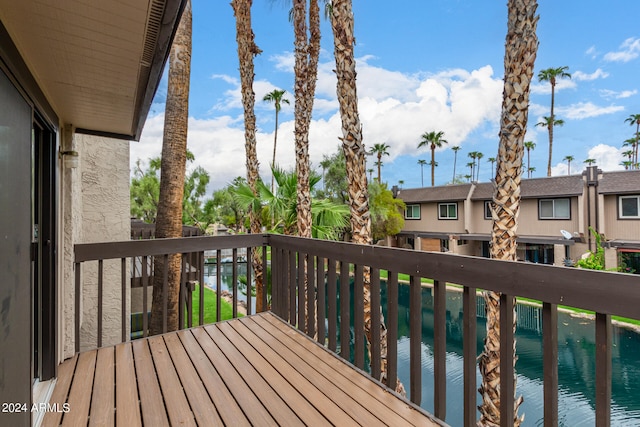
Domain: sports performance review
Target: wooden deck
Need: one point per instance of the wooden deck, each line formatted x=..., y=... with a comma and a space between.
x=256, y=370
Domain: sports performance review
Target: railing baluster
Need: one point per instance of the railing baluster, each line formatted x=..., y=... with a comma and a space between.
x=100, y=291
x=507, y=389
x=332, y=296
x=200, y=270
x=249, y=278
x=345, y=314
x=301, y=281
x=440, y=349
x=603, y=370
x=265, y=276
x=218, y=285
x=165, y=296
x=376, y=315
x=470, y=350
x=77, y=267
x=392, y=329
x=123, y=301
x=311, y=296
x=276, y=306
x=145, y=283
x=415, y=339
x=550, y=363
x=358, y=316
x=322, y=300
x=292, y=279
x=234, y=278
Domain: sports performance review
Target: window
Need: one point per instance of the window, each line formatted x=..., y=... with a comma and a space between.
x=412, y=212
x=447, y=211
x=629, y=206
x=554, y=209
x=487, y=209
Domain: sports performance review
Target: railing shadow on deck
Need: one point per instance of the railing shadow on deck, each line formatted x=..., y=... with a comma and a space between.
x=310, y=279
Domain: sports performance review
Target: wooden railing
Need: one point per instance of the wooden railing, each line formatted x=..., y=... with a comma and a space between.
x=325, y=271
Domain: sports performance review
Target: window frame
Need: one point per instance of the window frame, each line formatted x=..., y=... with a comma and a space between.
x=487, y=204
x=628, y=196
x=554, y=217
x=448, y=218
x=412, y=206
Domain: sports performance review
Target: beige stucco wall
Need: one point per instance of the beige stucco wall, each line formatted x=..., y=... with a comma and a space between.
x=623, y=229
x=105, y=217
x=429, y=220
x=530, y=225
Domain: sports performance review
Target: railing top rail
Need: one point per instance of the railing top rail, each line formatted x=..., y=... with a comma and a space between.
x=604, y=292
x=130, y=248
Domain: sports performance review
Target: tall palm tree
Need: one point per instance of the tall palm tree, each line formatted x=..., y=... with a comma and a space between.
x=634, y=119
x=530, y=171
x=551, y=75
x=370, y=174
x=172, y=174
x=529, y=145
x=590, y=162
x=247, y=50
x=433, y=140
x=307, y=51
x=479, y=156
x=341, y=14
x=455, y=149
x=468, y=177
x=569, y=159
x=380, y=150
x=422, y=162
x=473, y=155
x=491, y=160
x=471, y=166
x=520, y=52
x=277, y=97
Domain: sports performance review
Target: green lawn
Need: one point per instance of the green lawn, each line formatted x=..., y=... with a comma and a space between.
x=210, y=308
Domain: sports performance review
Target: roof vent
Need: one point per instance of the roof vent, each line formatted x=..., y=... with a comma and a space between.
x=154, y=22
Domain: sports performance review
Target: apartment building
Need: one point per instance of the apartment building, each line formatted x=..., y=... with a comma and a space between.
x=554, y=218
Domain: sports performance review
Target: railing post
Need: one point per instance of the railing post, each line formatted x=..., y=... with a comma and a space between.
x=603, y=370
x=77, y=310
x=376, y=315
x=358, y=316
x=123, y=300
x=550, y=363
x=100, y=292
x=440, y=349
x=332, y=296
x=415, y=339
x=392, y=329
x=507, y=376
x=470, y=351
x=345, y=311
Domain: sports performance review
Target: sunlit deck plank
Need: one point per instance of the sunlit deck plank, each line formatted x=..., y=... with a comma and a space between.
x=103, y=400
x=80, y=394
x=60, y=392
x=151, y=401
x=127, y=401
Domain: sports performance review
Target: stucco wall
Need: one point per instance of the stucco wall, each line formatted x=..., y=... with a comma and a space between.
x=530, y=225
x=105, y=216
x=429, y=220
x=623, y=229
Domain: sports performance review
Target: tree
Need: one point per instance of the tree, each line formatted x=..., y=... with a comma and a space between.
x=307, y=51
x=422, y=162
x=627, y=164
x=172, y=172
x=473, y=155
x=433, y=140
x=455, y=149
x=491, y=160
x=634, y=119
x=370, y=174
x=380, y=150
x=569, y=159
x=590, y=162
x=471, y=165
x=551, y=75
x=277, y=97
x=467, y=177
x=386, y=211
x=324, y=164
x=247, y=50
x=520, y=53
x=341, y=14
x=479, y=156
x=530, y=171
x=529, y=145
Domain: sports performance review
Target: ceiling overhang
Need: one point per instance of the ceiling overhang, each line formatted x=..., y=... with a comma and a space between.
x=98, y=63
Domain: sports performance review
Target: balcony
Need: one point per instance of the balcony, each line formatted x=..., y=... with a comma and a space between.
x=260, y=354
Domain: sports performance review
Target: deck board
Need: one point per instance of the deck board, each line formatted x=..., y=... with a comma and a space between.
x=257, y=370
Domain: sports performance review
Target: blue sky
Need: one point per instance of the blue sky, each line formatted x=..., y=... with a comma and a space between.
x=428, y=65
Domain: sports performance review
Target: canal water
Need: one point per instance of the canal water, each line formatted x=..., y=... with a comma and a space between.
x=576, y=360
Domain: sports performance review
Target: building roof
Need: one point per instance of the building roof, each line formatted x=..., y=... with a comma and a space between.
x=556, y=186
x=96, y=64
x=620, y=182
x=435, y=194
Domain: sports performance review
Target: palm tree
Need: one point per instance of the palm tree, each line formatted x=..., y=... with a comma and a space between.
x=479, y=156
x=551, y=75
x=529, y=145
x=520, y=52
x=627, y=164
x=401, y=183
x=277, y=97
x=370, y=174
x=380, y=150
x=324, y=164
x=247, y=50
x=378, y=165
x=455, y=149
x=422, y=162
x=634, y=119
x=473, y=156
x=531, y=170
x=590, y=162
x=341, y=14
x=629, y=155
x=468, y=177
x=433, y=140
x=491, y=160
x=172, y=175
x=471, y=166
x=569, y=159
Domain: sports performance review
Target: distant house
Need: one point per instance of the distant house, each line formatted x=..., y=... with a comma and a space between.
x=554, y=218
x=76, y=83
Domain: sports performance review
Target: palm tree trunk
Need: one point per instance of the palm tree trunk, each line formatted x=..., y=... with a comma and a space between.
x=275, y=141
x=433, y=165
x=247, y=49
x=354, y=151
x=172, y=173
x=551, y=124
x=455, y=159
x=520, y=53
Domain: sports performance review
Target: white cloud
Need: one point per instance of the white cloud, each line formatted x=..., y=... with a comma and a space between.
x=542, y=88
x=607, y=157
x=612, y=94
x=598, y=74
x=629, y=49
x=592, y=52
x=583, y=110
